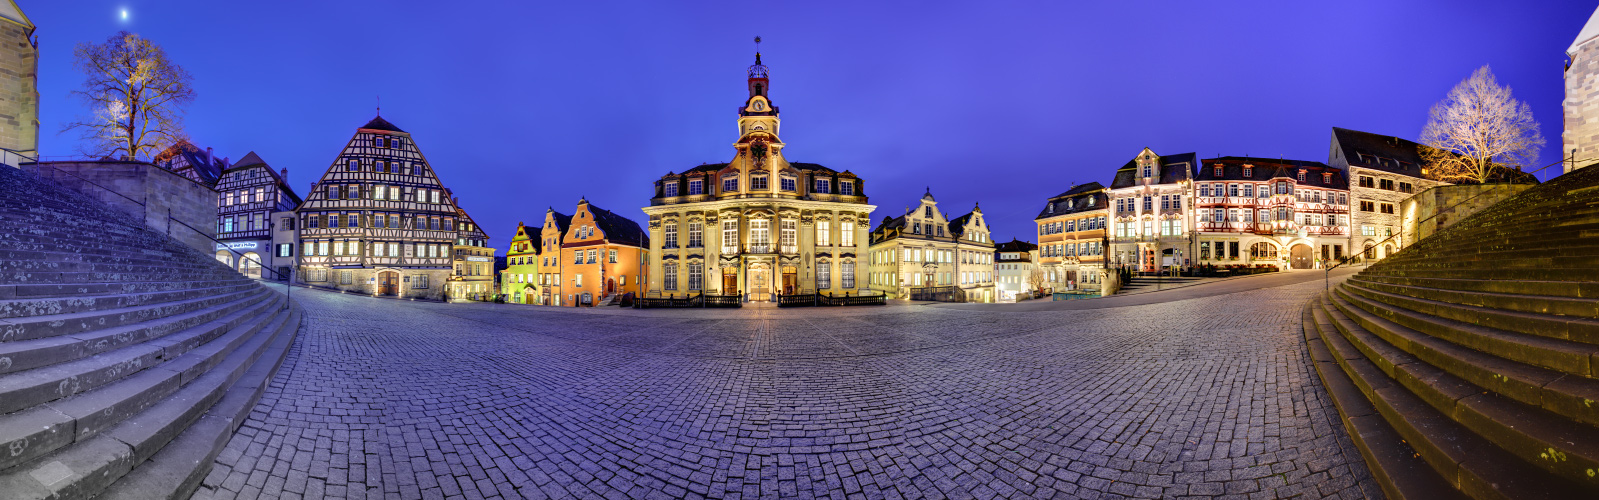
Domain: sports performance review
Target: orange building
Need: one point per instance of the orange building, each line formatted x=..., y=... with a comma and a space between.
x=603, y=255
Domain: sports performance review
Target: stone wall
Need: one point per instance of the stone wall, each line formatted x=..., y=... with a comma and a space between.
x=144, y=191
x=19, y=92
x=1581, y=108
x=1451, y=204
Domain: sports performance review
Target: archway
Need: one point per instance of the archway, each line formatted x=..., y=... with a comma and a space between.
x=1263, y=251
x=250, y=265
x=1387, y=250
x=1299, y=257
x=790, y=280
x=1370, y=252
x=225, y=257
x=760, y=282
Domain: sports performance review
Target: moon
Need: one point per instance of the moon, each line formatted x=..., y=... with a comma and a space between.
x=124, y=14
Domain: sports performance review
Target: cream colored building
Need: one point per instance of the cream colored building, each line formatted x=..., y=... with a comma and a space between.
x=1580, y=136
x=1383, y=172
x=473, y=276
x=1151, y=221
x=758, y=225
x=922, y=251
x=1072, y=238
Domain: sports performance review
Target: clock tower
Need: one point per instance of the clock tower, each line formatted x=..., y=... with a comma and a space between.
x=758, y=145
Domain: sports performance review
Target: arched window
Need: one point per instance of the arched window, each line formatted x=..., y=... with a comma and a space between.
x=1263, y=251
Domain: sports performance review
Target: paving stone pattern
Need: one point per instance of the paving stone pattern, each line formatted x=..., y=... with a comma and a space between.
x=1206, y=397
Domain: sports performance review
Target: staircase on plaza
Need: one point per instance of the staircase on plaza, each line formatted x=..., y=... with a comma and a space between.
x=126, y=359
x=1154, y=283
x=1468, y=364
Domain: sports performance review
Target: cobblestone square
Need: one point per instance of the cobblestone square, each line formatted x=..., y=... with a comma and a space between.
x=1202, y=394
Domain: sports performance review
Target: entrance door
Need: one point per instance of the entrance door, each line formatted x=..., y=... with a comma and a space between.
x=760, y=283
x=790, y=281
x=610, y=286
x=730, y=281
x=388, y=283
x=1299, y=256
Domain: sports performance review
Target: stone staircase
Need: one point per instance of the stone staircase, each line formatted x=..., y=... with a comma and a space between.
x=1468, y=364
x=1153, y=283
x=126, y=359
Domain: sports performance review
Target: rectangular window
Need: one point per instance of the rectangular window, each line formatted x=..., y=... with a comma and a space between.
x=669, y=276
x=346, y=277
x=846, y=188
x=1387, y=184
x=1366, y=182
x=823, y=238
x=729, y=235
x=730, y=185
x=758, y=183
x=671, y=189
x=696, y=237
x=354, y=165
x=1149, y=203
x=696, y=186
x=696, y=277
x=824, y=275
x=846, y=235
x=1387, y=208
x=669, y=232
x=822, y=186
x=613, y=256
x=788, y=235
x=787, y=183
x=847, y=273
x=1368, y=206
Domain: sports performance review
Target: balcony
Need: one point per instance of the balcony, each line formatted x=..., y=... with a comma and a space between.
x=789, y=249
x=763, y=248
x=729, y=250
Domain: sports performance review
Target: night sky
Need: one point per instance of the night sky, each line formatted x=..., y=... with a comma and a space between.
x=526, y=105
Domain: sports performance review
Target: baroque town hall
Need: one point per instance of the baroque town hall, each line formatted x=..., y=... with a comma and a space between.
x=759, y=224
x=379, y=221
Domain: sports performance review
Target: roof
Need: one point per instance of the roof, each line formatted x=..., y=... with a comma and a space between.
x=9, y=10
x=1589, y=31
x=1379, y=152
x=252, y=160
x=1015, y=245
x=563, y=222
x=378, y=123
x=194, y=157
x=1076, y=200
x=1173, y=169
x=619, y=229
x=1268, y=168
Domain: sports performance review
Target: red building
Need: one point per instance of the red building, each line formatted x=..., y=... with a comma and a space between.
x=1288, y=213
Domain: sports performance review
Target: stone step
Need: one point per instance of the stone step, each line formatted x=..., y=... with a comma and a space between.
x=1398, y=468
x=50, y=290
x=1476, y=262
x=78, y=257
x=97, y=463
x=32, y=266
x=1526, y=231
x=1520, y=274
x=36, y=327
x=37, y=242
x=1574, y=289
x=178, y=273
x=1533, y=385
x=28, y=354
x=37, y=386
x=176, y=471
x=43, y=428
x=1484, y=321
x=12, y=308
x=1535, y=304
x=1471, y=463
x=1584, y=248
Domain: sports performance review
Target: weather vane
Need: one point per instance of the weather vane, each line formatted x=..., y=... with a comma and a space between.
x=757, y=43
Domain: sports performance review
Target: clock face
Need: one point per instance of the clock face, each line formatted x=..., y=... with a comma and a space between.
x=759, y=106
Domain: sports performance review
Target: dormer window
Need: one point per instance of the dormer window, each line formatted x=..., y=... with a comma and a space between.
x=1218, y=170
x=822, y=186
x=1249, y=171
x=1147, y=170
x=927, y=212
x=1326, y=177
x=1050, y=208
x=1090, y=202
x=696, y=186
x=1301, y=175
x=671, y=189
x=730, y=184
x=758, y=183
x=787, y=183
x=846, y=188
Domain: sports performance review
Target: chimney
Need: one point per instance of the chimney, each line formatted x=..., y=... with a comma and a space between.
x=208, y=161
x=284, y=172
x=458, y=201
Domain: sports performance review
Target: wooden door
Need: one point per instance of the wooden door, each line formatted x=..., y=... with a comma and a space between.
x=729, y=283
x=1300, y=258
x=388, y=282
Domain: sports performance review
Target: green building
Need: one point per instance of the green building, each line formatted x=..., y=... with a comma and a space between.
x=519, y=282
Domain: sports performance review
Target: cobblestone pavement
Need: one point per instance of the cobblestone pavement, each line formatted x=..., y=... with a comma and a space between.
x=1206, y=395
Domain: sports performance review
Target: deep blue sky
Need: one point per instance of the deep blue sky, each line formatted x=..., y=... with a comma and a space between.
x=525, y=105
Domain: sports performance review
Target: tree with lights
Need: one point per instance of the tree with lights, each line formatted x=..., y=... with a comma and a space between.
x=136, y=95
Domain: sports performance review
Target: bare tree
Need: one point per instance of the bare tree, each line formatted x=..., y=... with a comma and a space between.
x=1036, y=279
x=1478, y=130
x=136, y=96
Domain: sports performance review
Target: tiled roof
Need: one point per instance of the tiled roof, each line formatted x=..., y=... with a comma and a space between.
x=619, y=229
x=1173, y=169
x=1015, y=245
x=1075, y=200
x=1379, y=152
x=1262, y=169
x=378, y=123
x=563, y=222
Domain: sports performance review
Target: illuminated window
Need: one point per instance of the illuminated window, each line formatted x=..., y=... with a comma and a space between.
x=669, y=276
x=822, y=186
x=787, y=183
x=730, y=185
x=846, y=188
x=758, y=182
x=696, y=186
x=696, y=276
x=671, y=189
x=823, y=236
x=669, y=230
x=613, y=256
x=846, y=237
x=696, y=236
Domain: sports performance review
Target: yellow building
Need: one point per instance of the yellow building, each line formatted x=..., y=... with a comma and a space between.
x=924, y=255
x=757, y=225
x=473, y=275
x=519, y=282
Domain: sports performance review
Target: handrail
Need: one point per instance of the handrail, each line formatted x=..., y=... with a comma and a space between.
x=170, y=220
x=1327, y=273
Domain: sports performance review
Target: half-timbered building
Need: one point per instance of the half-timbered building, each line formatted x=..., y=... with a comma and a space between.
x=188, y=160
x=248, y=194
x=1286, y=213
x=379, y=221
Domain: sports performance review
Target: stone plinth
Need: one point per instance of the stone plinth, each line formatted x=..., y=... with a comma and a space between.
x=1451, y=204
